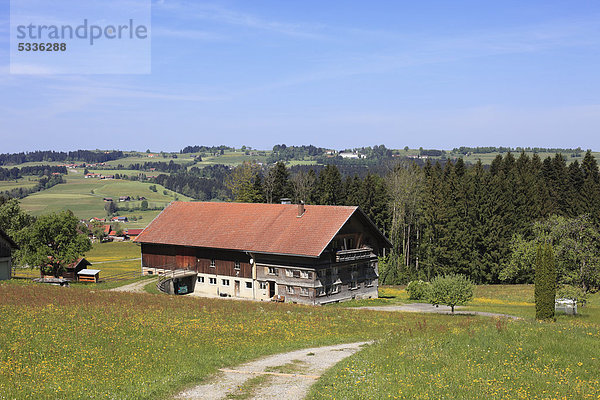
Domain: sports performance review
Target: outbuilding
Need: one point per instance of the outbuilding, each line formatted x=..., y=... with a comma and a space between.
x=88, y=275
x=7, y=245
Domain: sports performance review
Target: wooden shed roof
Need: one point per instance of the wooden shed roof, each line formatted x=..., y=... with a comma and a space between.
x=11, y=242
x=259, y=228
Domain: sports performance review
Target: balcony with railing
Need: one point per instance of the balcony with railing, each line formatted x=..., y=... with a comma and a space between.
x=354, y=254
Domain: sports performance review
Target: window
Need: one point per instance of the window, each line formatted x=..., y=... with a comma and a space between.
x=368, y=283
x=353, y=285
x=289, y=273
x=335, y=289
x=200, y=279
x=290, y=289
x=237, y=265
x=272, y=271
x=212, y=281
x=319, y=291
x=212, y=262
x=248, y=285
x=321, y=273
x=305, y=275
x=263, y=285
x=225, y=282
x=296, y=273
x=335, y=270
x=303, y=291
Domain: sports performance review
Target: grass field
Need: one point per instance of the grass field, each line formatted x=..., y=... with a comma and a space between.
x=84, y=197
x=509, y=360
x=73, y=342
x=79, y=342
x=26, y=182
x=110, y=258
x=115, y=257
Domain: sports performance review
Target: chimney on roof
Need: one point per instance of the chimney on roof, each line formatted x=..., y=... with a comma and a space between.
x=300, y=209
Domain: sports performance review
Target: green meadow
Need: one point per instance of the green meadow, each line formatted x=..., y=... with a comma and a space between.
x=86, y=342
x=26, y=182
x=84, y=197
x=110, y=258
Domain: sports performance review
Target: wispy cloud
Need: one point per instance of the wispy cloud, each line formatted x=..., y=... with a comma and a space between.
x=193, y=34
x=220, y=14
x=420, y=51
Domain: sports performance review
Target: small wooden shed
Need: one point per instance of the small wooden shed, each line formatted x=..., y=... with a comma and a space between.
x=70, y=272
x=7, y=245
x=88, y=275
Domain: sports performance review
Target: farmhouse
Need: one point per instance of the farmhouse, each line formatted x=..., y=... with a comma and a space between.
x=306, y=254
x=6, y=247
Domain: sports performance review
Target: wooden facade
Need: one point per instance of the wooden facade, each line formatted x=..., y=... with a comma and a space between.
x=6, y=248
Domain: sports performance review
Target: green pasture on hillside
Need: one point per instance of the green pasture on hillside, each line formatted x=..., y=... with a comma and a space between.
x=143, y=158
x=84, y=197
x=26, y=182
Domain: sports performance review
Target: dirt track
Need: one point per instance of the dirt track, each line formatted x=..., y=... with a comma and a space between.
x=428, y=308
x=135, y=287
x=282, y=376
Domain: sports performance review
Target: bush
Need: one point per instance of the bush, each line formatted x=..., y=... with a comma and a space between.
x=417, y=290
x=450, y=290
x=572, y=293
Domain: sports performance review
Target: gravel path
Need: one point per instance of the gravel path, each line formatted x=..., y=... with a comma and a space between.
x=430, y=308
x=282, y=376
x=135, y=287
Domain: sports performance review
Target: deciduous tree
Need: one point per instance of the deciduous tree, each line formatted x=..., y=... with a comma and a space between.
x=54, y=241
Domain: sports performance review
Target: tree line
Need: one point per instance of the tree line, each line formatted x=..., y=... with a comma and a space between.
x=454, y=218
x=86, y=156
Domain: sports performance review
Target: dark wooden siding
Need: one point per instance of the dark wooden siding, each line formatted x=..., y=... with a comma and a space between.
x=4, y=248
x=196, y=258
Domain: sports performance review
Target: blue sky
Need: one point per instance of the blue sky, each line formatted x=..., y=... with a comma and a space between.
x=335, y=74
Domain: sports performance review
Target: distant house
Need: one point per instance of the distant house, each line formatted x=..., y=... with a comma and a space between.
x=7, y=245
x=133, y=233
x=107, y=199
x=350, y=155
x=295, y=253
x=71, y=270
x=93, y=175
x=124, y=198
x=96, y=219
x=119, y=219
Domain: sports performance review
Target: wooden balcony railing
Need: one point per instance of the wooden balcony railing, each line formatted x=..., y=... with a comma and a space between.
x=354, y=254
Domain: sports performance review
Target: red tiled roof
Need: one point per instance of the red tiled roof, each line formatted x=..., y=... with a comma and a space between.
x=261, y=228
x=134, y=232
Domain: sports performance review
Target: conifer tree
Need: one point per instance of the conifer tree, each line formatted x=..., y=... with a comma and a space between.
x=330, y=188
x=545, y=282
